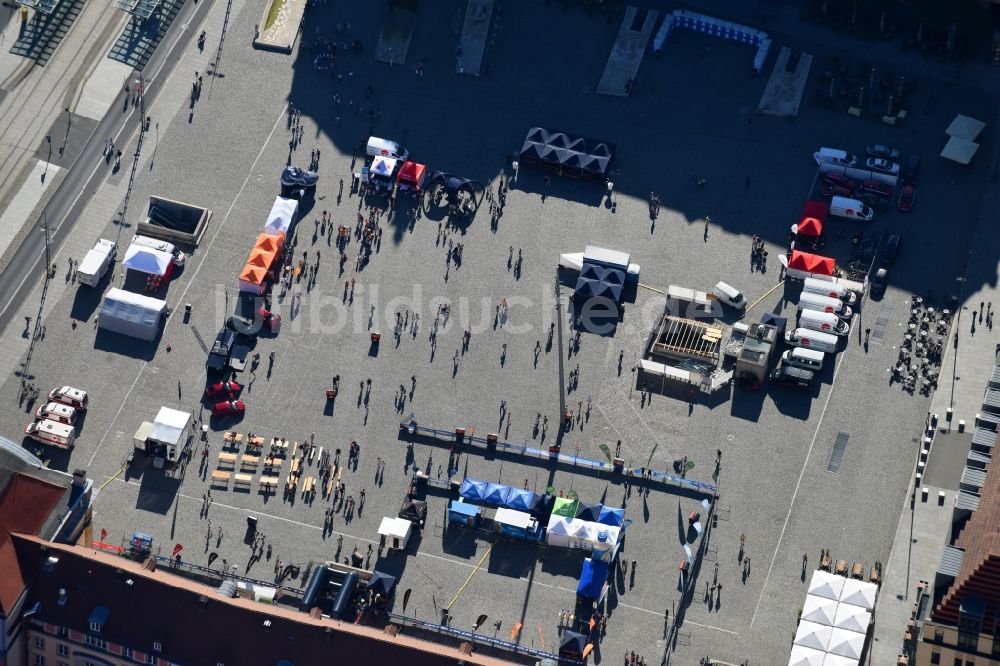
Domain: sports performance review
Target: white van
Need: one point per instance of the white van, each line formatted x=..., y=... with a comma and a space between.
x=831, y=289
x=826, y=322
x=810, y=301
x=851, y=209
x=56, y=411
x=834, y=156
x=729, y=295
x=810, y=339
x=163, y=246
x=51, y=432
x=385, y=148
x=68, y=395
x=807, y=359
x=95, y=263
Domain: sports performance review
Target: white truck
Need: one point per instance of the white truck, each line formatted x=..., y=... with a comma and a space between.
x=95, y=264
x=177, y=256
x=851, y=209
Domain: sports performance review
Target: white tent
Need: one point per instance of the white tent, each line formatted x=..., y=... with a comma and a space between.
x=838, y=660
x=518, y=519
x=396, y=531
x=959, y=150
x=805, y=656
x=825, y=584
x=964, y=127
x=819, y=609
x=131, y=314
x=852, y=618
x=846, y=643
x=383, y=166
x=169, y=425
x=558, y=531
x=812, y=635
x=147, y=260
x=282, y=216
x=859, y=593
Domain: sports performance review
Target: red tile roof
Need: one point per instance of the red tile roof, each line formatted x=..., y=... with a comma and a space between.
x=25, y=504
x=980, y=573
x=159, y=606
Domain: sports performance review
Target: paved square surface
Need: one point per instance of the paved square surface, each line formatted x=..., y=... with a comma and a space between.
x=689, y=117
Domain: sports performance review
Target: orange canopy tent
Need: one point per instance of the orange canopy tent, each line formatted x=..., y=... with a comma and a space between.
x=265, y=252
x=811, y=263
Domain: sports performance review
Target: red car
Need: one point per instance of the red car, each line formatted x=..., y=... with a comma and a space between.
x=906, y=198
x=229, y=389
x=228, y=408
x=876, y=187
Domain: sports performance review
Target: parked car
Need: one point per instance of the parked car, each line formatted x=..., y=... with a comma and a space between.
x=911, y=168
x=880, y=282
x=879, y=203
x=828, y=190
x=876, y=187
x=882, y=165
x=838, y=180
x=907, y=195
x=792, y=377
x=878, y=150
x=228, y=408
x=229, y=389
x=891, y=249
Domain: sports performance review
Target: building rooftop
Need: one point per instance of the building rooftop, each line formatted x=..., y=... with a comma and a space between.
x=83, y=584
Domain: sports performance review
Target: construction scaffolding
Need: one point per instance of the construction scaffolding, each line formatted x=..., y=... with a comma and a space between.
x=678, y=338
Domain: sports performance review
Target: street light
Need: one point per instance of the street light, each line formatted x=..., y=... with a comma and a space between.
x=515, y=164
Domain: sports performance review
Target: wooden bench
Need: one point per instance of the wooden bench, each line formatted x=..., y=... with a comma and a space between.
x=220, y=477
x=291, y=483
x=875, y=576
x=329, y=487
x=841, y=569
x=267, y=487
x=296, y=465
x=250, y=461
x=309, y=486
x=243, y=480
x=232, y=436
x=271, y=466
x=227, y=459
x=295, y=448
x=825, y=562
x=858, y=571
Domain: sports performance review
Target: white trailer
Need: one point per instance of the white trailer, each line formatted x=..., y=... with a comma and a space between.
x=95, y=263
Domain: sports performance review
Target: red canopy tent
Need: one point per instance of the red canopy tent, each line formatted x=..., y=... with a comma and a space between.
x=811, y=263
x=809, y=226
x=817, y=209
x=411, y=176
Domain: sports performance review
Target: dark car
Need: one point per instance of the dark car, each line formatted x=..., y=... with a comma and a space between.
x=838, y=180
x=828, y=190
x=881, y=204
x=880, y=282
x=876, y=187
x=218, y=358
x=887, y=152
x=792, y=377
x=911, y=168
x=891, y=249
x=906, y=198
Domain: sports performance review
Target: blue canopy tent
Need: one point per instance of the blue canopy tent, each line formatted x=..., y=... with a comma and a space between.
x=593, y=579
x=495, y=494
x=381, y=583
x=472, y=489
x=572, y=645
x=520, y=500
x=611, y=516
x=466, y=515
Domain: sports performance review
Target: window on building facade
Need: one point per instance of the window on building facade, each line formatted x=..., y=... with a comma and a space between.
x=39, y=642
x=157, y=646
x=95, y=626
x=96, y=642
x=152, y=660
x=935, y=657
x=938, y=635
x=63, y=650
x=39, y=660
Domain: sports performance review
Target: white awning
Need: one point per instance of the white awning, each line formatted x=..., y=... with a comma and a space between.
x=859, y=593
x=846, y=643
x=812, y=635
x=805, y=656
x=518, y=519
x=838, y=660
x=395, y=527
x=819, y=609
x=282, y=216
x=852, y=618
x=169, y=425
x=964, y=127
x=606, y=257
x=825, y=584
x=959, y=150
x=147, y=260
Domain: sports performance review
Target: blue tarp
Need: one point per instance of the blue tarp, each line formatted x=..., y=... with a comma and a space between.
x=472, y=489
x=592, y=578
x=495, y=494
x=611, y=516
x=588, y=511
x=520, y=500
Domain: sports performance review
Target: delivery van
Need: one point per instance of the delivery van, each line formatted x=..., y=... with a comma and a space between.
x=95, y=263
x=807, y=359
x=51, y=432
x=68, y=395
x=163, y=246
x=56, y=411
x=831, y=289
x=789, y=375
x=729, y=295
x=811, y=301
x=825, y=322
x=385, y=148
x=810, y=339
x=851, y=209
x=834, y=156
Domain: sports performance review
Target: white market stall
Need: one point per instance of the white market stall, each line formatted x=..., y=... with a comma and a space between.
x=131, y=314
x=282, y=217
x=396, y=532
x=147, y=260
x=168, y=437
